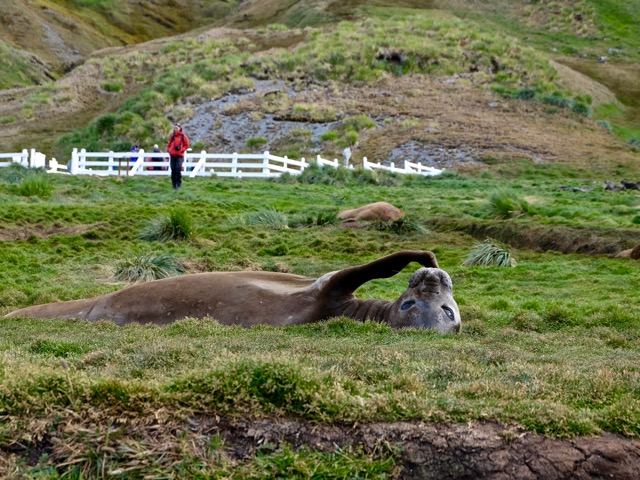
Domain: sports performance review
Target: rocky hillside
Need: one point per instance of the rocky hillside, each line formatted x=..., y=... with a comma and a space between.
x=455, y=84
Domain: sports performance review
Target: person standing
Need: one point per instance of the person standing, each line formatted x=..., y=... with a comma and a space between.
x=178, y=144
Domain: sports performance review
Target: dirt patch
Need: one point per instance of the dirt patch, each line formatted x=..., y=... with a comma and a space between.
x=558, y=238
x=27, y=232
x=421, y=451
x=483, y=450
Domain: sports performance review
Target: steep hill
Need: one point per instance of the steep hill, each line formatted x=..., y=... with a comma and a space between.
x=43, y=39
x=456, y=84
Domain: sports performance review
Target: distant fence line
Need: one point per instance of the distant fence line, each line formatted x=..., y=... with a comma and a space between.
x=236, y=165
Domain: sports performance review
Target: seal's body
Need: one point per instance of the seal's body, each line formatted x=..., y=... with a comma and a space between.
x=278, y=299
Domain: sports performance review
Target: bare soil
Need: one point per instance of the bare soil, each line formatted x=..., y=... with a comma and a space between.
x=422, y=451
x=477, y=450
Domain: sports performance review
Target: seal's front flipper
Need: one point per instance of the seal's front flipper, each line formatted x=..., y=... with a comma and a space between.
x=348, y=280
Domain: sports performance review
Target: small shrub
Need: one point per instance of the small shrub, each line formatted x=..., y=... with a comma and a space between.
x=526, y=94
x=329, y=136
x=604, y=124
x=488, y=254
x=503, y=91
x=359, y=123
x=175, y=226
x=557, y=100
x=111, y=87
x=254, y=142
x=106, y=123
x=504, y=204
x=148, y=267
x=581, y=108
x=35, y=186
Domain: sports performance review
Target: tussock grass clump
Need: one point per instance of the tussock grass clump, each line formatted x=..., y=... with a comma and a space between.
x=504, y=204
x=321, y=218
x=267, y=218
x=14, y=173
x=35, y=185
x=177, y=225
x=401, y=226
x=148, y=267
x=488, y=254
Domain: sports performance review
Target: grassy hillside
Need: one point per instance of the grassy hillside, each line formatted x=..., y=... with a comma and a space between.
x=61, y=34
x=539, y=352
x=404, y=73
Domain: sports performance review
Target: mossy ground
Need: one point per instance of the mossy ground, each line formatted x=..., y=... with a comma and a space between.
x=549, y=346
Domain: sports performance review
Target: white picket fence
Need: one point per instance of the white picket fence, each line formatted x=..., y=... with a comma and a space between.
x=237, y=165
x=31, y=159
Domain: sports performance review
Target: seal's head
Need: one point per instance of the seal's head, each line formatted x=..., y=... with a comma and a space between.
x=427, y=303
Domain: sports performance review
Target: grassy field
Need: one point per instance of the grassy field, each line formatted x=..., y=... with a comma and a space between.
x=550, y=345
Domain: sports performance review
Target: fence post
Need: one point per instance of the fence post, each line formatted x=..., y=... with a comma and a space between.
x=265, y=165
x=82, y=159
x=234, y=163
x=74, y=162
x=24, y=161
x=110, y=164
x=365, y=163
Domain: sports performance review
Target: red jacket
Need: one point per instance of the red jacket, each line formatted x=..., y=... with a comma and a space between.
x=178, y=144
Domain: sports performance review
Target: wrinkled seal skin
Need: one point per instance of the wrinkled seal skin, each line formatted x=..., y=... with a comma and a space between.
x=277, y=299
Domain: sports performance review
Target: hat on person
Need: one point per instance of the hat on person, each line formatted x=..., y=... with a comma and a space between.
x=177, y=125
x=155, y=146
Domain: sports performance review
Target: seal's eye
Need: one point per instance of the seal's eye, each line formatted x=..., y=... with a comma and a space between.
x=407, y=305
x=449, y=313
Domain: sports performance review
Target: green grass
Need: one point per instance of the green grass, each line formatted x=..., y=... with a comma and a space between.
x=538, y=348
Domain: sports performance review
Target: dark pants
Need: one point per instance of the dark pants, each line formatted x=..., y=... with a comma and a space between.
x=176, y=171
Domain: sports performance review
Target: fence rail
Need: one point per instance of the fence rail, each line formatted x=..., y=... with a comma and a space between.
x=236, y=165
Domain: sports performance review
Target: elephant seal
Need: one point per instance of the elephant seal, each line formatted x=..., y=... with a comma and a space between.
x=378, y=211
x=633, y=253
x=277, y=299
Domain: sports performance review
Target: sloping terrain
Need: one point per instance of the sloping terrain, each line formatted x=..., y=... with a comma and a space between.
x=44, y=39
x=452, y=121
x=237, y=84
